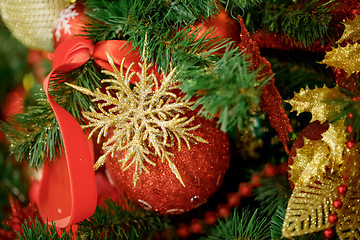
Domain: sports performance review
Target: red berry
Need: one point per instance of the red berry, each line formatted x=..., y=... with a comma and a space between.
x=329, y=233
x=223, y=211
x=333, y=218
x=342, y=189
x=233, y=200
x=210, y=218
x=350, y=115
x=269, y=170
x=196, y=227
x=350, y=144
x=183, y=231
x=255, y=180
x=245, y=190
x=337, y=204
x=349, y=129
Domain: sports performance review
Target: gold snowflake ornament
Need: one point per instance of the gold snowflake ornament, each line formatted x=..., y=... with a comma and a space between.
x=144, y=119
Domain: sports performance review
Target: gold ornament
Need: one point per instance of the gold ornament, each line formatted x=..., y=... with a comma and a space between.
x=319, y=102
x=32, y=21
x=352, y=30
x=310, y=205
x=145, y=119
x=346, y=58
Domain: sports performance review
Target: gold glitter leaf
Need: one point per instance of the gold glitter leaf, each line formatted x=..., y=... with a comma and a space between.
x=142, y=120
x=310, y=205
x=348, y=225
x=346, y=58
x=310, y=160
x=352, y=30
x=319, y=102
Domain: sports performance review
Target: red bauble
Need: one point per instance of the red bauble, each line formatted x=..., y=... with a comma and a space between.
x=201, y=168
x=337, y=204
x=342, y=189
x=333, y=218
x=69, y=24
x=224, y=26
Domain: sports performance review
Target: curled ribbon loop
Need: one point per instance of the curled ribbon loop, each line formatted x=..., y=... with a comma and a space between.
x=67, y=192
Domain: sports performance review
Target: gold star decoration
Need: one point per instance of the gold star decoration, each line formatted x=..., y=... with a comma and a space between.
x=144, y=119
x=318, y=101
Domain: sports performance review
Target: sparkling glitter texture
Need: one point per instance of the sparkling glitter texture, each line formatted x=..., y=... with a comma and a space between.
x=352, y=30
x=315, y=184
x=32, y=21
x=145, y=120
x=202, y=168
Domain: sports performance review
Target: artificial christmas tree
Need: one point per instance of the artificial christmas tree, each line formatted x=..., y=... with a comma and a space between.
x=173, y=111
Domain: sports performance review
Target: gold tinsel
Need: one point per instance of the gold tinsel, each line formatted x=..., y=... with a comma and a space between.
x=32, y=21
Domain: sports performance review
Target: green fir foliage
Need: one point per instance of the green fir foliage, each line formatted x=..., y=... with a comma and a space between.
x=246, y=226
x=113, y=222
x=35, y=135
x=160, y=21
x=34, y=230
x=229, y=88
x=304, y=22
x=108, y=222
x=272, y=194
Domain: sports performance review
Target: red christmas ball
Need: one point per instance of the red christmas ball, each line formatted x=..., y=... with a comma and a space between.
x=224, y=26
x=69, y=24
x=201, y=168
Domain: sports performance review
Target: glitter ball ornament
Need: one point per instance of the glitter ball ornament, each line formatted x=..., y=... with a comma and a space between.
x=201, y=167
x=32, y=21
x=70, y=23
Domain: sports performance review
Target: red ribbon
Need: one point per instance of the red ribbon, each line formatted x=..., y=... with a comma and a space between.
x=67, y=192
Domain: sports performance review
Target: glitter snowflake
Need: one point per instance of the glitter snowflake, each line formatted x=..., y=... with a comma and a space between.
x=63, y=21
x=144, y=119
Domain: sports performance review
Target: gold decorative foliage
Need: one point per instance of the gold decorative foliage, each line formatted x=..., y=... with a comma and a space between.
x=143, y=120
x=346, y=58
x=318, y=101
x=352, y=30
x=310, y=160
x=348, y=225
x=310, y=205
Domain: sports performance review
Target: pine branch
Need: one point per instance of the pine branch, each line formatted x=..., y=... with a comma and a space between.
x=305, y=23
x=247, y=226
x=229, y=87
x=35, y=230
x=160, y=21
x=113, y=222
x=277, y=222
x=35, y=135
x=272, y=194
